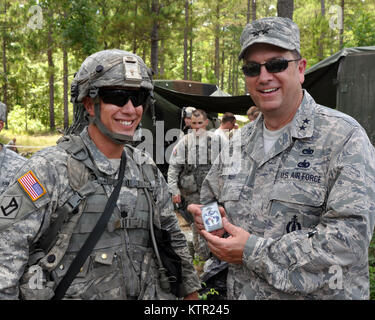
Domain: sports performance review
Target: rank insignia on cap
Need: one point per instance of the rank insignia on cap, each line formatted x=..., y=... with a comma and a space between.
x=31, y=185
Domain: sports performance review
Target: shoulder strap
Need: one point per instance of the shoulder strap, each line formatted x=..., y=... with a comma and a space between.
x=71, y=211
x=76, y=148
x=93, y=238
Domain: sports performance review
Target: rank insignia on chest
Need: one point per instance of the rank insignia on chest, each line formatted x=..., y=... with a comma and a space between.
x=30, y=183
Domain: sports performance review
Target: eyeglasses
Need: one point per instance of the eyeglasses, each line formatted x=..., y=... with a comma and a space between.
x=120, y=97
x=252, y=69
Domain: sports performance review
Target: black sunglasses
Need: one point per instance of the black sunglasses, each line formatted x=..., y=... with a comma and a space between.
x=252, y=69
x=120, y=97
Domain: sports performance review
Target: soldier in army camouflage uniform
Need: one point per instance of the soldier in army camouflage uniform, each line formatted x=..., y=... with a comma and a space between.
x=114, y=87
x=190, y=161
x=10, y=161
x=300, y=200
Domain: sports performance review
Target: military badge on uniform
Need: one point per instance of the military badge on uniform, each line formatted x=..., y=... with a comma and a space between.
x=31, y=185
x=9, y=207
x=293, y=225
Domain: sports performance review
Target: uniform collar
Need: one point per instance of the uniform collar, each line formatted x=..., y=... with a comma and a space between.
x=302, y=126
x=303, y=121
x=99, y=159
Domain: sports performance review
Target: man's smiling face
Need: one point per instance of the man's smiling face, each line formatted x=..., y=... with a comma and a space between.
x=275, y=92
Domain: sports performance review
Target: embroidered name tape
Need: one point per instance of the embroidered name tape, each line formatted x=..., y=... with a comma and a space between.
x=31, y=185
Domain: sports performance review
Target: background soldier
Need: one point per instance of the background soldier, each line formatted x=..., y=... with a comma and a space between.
x=61, y=193
x=301, y=200
x=10, y=161
x=188, y=111
x=190, y=161
x=252, y=113
x=228, y=123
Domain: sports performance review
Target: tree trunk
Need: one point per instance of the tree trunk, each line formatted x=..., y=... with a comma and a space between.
x=51, y=74
x=285, y=8
x=217, y=44
x=186, y=34
x=162, y=58
x=222, y=72
x=134, y=33
x=155, y=36
x=5, y=69
x=342, y=25
x=66, y=89
x=321, y=39
x=254, y=10
x=248, y=11
x=191, y=57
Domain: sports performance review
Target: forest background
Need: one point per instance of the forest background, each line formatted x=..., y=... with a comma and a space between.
x=43, y=43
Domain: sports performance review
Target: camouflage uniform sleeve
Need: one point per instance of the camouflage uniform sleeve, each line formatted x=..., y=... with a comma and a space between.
x=305, y=260
x=169, y=221
x=21, y=222
x=12, y=162
x=212, y=184
x=176, y=164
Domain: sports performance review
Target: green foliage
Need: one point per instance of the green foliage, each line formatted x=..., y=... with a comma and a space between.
x=361, y=30
x=22, y=122
x=204, y=296
x=81, y=27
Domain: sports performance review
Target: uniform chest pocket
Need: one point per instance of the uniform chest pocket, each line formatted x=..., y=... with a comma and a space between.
x=295, y=207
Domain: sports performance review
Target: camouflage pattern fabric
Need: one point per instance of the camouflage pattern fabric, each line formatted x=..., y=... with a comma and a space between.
x=186, y=172
x=190, y=161
x=278, y=31
x=3, y=111
x=110, y=68
x=10, y=162
x=308, y=205
x=24, y=220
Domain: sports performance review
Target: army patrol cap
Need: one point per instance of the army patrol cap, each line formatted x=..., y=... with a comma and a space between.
x=3, y=111
x=278, y=31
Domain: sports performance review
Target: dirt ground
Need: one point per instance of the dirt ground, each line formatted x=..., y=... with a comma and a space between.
x=185, y=227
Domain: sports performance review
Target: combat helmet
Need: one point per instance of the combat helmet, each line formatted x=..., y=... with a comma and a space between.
x=108, y=68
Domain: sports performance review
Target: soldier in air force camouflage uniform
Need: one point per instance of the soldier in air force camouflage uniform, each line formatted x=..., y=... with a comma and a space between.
x=73, y=181
x=10, y=161
x=299, y=191
x=190, y=161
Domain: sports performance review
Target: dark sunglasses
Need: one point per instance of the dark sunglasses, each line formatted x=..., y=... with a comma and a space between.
x=120, y=97
x=252, y=69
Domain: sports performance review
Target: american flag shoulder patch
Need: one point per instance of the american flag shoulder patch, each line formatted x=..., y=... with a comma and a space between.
x=30, y=183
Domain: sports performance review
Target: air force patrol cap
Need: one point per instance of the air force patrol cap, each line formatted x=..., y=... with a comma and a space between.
x=278, y=31
x=3, y=111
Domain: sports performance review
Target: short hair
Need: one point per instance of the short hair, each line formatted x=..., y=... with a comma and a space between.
x=296, y=54
x=200, y=112
x=252, y=110
x=228, y=117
